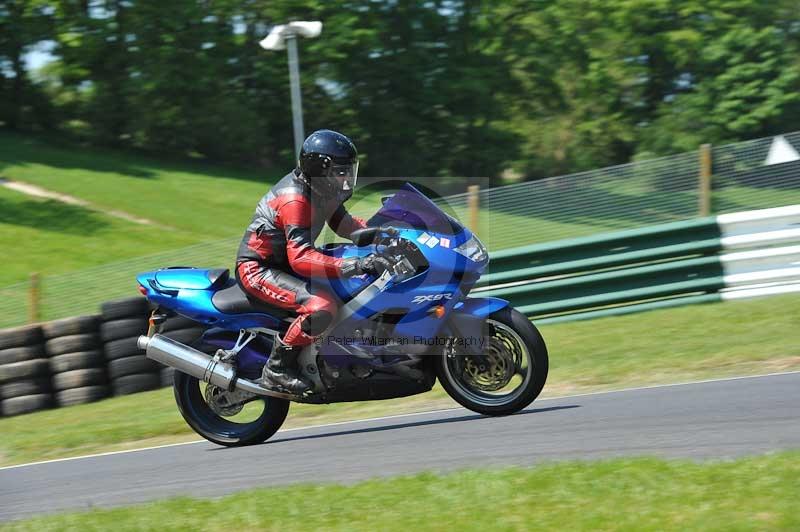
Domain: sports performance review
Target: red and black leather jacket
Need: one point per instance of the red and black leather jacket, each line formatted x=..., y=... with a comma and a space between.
x=287, y=221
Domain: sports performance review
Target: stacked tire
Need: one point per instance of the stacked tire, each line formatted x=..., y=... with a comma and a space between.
x=181, y=330
x=76, y=362
x=24, y=371
x=124, y=320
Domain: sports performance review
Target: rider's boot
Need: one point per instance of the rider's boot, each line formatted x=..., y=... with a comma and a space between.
x=280, y=369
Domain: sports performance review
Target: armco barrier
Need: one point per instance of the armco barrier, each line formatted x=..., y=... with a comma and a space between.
x=575, y=255
x=655, y=267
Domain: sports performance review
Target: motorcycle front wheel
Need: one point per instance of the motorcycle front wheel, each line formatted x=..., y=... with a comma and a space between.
x=509, y=373
x=227, y=419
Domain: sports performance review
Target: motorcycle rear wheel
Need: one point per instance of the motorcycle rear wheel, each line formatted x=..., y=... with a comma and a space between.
x=515, y=352
x=221, y=430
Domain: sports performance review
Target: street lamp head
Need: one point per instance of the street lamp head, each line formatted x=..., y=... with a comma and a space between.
x=276, y=40
x=308, y=29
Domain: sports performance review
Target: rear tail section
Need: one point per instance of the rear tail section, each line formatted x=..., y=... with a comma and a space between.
x=205, y=296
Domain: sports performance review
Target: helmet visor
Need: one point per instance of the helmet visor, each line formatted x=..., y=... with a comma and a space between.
x=345, y=176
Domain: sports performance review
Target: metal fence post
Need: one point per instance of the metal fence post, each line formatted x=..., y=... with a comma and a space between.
x=474, y=202
x=706, y=169
x=34, y=300
x=297, y=100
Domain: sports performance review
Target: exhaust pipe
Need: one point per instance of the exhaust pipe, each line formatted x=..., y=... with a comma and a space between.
x=199, y=365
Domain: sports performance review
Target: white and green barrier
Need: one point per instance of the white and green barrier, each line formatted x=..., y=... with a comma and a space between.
x=730, y=256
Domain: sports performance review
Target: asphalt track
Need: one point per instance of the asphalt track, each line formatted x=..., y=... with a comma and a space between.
x=715, y=419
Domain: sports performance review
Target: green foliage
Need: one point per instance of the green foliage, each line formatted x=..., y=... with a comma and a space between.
x=23, y=23
x=441, y=88
x=650, y=76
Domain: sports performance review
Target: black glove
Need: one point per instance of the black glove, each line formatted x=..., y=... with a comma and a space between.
x=371, y=264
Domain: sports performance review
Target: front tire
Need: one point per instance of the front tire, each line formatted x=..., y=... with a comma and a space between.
x=507, y=376
x=229, y=432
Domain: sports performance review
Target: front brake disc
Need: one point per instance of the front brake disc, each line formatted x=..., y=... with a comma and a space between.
x=493, y=372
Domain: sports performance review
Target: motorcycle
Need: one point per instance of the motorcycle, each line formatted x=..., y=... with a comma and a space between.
x=394, y=335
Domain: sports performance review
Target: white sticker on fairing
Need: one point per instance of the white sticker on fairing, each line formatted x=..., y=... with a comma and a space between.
x=432, y=242
x=431, y=297
x=444, y=242
x=424, y=237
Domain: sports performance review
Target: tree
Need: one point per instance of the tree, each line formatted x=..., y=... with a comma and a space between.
x=22, y=24
x=436, y=88
x=749, y=86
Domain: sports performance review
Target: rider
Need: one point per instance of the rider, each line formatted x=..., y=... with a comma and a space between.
x=277, y=255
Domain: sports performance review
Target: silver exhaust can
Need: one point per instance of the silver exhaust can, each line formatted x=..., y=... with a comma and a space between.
x=188, y=360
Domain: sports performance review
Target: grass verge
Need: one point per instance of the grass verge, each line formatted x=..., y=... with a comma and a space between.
x=49, y=237
x=688, y=343
x=757, y=493
x=207, y=200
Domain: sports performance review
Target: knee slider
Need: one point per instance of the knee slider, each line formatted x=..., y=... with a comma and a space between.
x=316, y=322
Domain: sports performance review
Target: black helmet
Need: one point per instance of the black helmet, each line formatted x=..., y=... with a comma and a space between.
x=329, y=162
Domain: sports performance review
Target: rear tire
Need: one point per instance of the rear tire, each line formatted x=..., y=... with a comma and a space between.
x=217, y=429
x=507, y=319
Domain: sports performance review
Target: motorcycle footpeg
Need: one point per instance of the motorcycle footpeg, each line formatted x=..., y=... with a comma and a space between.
x=280, y=389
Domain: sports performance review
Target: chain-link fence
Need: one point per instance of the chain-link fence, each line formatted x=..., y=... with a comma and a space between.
x=747, y=175
x=618, y=197
x=15, y=304
x=756, y=174
x=82, y=291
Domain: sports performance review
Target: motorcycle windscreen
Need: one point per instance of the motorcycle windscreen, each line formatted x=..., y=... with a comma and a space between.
x=408, y=207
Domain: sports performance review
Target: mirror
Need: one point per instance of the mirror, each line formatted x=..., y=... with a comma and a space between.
x=364, y=237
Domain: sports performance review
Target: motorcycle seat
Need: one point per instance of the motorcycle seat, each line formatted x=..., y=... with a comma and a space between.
x=218, y=277
x=233, y=300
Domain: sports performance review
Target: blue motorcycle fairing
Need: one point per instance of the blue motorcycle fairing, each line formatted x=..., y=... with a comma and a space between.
x=437, y=279
x=197, y=304
x=480, y=307
x=189, y=278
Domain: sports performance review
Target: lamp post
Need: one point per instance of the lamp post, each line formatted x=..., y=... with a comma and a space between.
x=285, y=36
